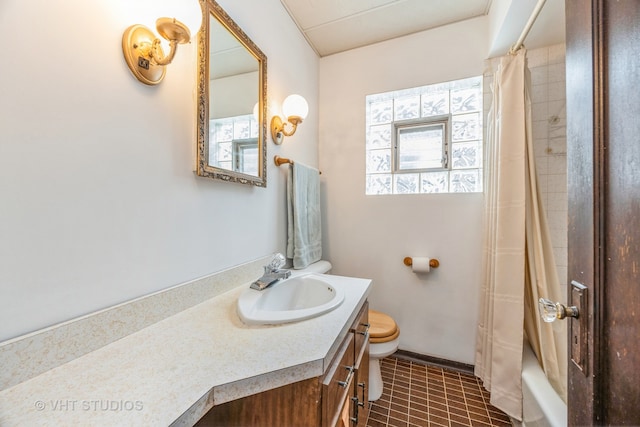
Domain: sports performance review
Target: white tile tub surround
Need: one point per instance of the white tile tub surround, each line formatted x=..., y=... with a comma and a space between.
x=550, y=146
x=27, y=356
x=174, y=371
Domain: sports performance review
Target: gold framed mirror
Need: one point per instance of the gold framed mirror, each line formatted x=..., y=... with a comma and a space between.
x=232, y=101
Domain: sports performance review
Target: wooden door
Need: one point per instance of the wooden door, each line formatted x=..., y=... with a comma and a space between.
x=603, y=155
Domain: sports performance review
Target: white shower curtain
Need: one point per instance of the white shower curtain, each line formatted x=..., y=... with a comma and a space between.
x=500, y=326
x=519, y=264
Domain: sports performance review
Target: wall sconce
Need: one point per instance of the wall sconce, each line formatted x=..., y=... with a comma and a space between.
x=143, y=51
x=295, y=109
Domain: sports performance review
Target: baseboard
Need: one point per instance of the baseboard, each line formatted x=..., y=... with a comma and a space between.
x=434, y=361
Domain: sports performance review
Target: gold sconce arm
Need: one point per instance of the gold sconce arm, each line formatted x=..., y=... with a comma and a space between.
x=297, y=108
x=279, y=128
x=293, y=121
x=157, y=55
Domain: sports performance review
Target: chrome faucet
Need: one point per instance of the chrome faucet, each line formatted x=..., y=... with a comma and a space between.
x=272, y=273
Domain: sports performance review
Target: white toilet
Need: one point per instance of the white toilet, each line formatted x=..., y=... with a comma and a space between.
x=320, y=267
x=384, y=336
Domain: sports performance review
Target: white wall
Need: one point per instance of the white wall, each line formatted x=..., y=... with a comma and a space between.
x=368, y=236
x=99, y=203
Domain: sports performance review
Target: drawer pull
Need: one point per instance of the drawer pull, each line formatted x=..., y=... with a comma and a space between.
x=347, y=380
x=366, y=330
x=354, y=420
x=363, y=386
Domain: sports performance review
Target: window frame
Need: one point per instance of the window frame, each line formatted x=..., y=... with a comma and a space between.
x=444, y=120
x=239, y=146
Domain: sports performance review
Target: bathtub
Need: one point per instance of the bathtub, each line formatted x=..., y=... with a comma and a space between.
x=541, y=405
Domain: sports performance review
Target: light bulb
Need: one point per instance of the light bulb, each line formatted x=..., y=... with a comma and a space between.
x=296, y=106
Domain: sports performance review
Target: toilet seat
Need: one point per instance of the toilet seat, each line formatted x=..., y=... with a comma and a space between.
x=384, y=337
x=383, y=328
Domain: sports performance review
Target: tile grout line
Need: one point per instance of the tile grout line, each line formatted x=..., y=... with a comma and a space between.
x=426, y=377
x=411, y=386
x=486, y=404
x=393, y=383
x=393, y=390
x=446, y=396
x=410, y=394
x=464, y=397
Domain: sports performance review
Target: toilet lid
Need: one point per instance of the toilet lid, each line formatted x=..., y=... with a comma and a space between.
x=383, y=328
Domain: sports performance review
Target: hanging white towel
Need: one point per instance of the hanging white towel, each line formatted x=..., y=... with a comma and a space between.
x=304, y=232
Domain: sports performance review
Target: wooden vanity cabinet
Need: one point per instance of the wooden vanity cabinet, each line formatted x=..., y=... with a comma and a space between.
x=345, y=401
x=340, y=395
x=337, y=387
x=361, y=379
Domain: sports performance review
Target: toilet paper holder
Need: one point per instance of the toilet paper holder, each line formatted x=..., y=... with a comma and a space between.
x=433, y=263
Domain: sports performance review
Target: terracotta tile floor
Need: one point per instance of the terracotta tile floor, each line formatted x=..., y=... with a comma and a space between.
x=416, y=394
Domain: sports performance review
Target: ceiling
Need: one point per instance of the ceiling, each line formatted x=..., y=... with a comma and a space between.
x=333, y=26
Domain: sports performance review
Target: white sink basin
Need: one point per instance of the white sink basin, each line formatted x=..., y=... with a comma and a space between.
x=298, y=298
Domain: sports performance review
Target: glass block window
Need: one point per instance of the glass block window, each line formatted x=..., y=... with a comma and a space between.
x=425, y=140
x=236, y=143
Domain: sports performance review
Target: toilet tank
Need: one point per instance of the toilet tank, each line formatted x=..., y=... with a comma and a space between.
x=321, y=267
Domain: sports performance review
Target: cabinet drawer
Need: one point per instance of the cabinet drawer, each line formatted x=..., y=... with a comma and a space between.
x=338, y=382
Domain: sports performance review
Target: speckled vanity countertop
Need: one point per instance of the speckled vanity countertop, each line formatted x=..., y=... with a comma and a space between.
x=174, y=371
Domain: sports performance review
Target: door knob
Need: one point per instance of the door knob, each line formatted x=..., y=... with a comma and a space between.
x=550, y=311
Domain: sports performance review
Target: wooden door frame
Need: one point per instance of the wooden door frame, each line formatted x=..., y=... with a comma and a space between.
x=586, y=194
x=603, y=158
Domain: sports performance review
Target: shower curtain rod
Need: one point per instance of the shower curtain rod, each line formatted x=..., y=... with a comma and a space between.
x=527, y=27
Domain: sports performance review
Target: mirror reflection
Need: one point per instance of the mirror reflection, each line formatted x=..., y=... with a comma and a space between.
x=232, y=101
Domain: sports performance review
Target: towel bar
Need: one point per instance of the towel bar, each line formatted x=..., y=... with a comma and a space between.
x=279, y=161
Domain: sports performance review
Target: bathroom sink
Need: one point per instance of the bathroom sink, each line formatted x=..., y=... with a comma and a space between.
x=291, y=300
